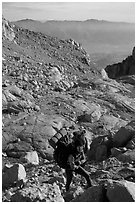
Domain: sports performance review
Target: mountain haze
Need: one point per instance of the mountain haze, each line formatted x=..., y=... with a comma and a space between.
x=95, y=35
x=105, y=41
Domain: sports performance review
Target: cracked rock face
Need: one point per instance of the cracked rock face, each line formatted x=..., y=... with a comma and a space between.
x=49, y=87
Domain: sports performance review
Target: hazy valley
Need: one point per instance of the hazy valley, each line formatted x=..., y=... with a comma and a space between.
x=106, y=42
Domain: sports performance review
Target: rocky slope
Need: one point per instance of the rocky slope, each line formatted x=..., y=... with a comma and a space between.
x=50, y=86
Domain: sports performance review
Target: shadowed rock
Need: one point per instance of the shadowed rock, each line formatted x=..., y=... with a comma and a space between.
x=93, y=194
x=122, y=191
x=126, y=67
x=12, y=174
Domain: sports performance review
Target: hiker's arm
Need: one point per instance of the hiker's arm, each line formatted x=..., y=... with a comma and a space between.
x=71, y=162
x=81, y=159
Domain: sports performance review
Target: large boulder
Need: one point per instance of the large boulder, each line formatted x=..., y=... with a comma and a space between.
x=12, y=174
x=99, y=148
x=123, y=136
x=93, y=194
x=33, y=193
x=121, y=191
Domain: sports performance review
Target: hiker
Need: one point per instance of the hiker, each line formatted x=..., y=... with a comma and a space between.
x=76, y=160
x=69, y=154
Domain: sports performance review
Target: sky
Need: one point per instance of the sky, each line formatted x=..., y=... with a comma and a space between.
x=111, y=11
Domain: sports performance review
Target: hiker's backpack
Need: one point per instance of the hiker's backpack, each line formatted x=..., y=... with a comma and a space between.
x=61, y=152
x=60, y=142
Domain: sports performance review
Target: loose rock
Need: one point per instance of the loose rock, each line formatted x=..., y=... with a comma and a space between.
x=45, y=193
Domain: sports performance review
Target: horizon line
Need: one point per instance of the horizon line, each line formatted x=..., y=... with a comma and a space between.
x=74, y=20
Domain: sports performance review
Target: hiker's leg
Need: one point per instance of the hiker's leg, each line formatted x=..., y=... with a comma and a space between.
x=84, y=173
x=69, y=175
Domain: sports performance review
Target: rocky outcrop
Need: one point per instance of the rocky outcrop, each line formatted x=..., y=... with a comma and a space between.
x=126, y=67
x=7, y=30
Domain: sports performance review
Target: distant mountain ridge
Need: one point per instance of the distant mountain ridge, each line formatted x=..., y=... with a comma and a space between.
x=88, y=20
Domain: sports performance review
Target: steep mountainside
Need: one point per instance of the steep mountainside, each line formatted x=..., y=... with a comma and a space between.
x=51, y=87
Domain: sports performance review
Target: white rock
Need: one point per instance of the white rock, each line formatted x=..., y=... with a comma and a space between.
x=104, y=74
x=31, y=157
